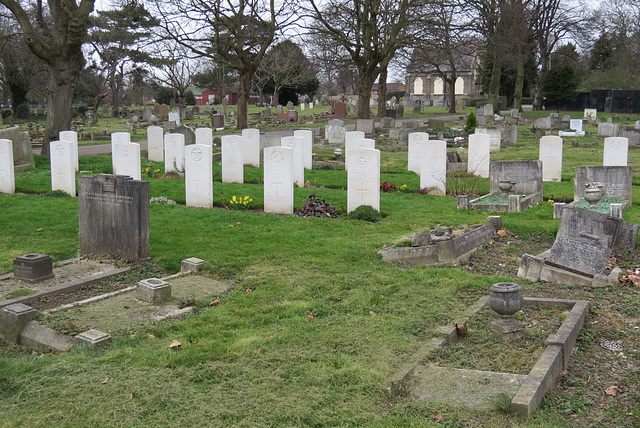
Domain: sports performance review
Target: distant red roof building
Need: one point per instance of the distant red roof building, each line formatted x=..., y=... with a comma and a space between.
x=391, y=87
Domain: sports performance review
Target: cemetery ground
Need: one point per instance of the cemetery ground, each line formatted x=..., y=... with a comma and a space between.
x=315, y=322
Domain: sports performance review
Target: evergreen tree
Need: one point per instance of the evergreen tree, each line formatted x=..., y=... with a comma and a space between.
x=559, y=86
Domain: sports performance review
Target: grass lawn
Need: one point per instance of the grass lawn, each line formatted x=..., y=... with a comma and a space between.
x=258, y=359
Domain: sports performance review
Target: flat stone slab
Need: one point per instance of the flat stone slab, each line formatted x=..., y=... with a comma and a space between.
x=462, y=388
x=125, y=311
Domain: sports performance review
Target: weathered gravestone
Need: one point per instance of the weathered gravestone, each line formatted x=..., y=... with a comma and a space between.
x=542, y=123
x=607, y=129
x=63, y=167
x=174, y=117
x=334, y=131
x=366, y=126
x=479, y=155
x=251, y=147
x=163, y=111
x=433, y=166
x=307, y=146
x=155, y=144
x=508, y=135
x=615, y=179
x=268, y=140
x=616, y=151
x=340, y=110
x=297, y=166
x=416, y=148
x=551, y=157
x=388, y=122
x=527, y=176
x=113, y=217
x=7, y=172
x=495, y=137
x=217, y=121
x=232, y=164
x=278, y=180
x=22, y=152
x=590, y=113
x=189, y=134
x=198, y=175
x=363, y=179
x=174, y=153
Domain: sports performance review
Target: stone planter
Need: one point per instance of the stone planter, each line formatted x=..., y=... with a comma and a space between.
x=506, y=300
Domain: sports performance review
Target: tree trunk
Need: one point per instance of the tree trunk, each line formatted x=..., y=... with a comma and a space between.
x=244, y=89
x=382, y=93
x=59, y=104
x=365, y=82
x=517, y=95
x=494, y=83
x=452, y=91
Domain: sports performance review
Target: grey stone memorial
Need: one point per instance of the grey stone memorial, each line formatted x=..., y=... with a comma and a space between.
x=22, y=152
x=33, y=267
x=113, y=217
x=615, y=179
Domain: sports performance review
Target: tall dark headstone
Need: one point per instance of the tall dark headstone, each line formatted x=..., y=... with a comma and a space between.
x=114, y=217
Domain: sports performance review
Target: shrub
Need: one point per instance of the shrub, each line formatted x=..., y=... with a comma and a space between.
x=365, y=213
x=6, y=113
x=22, y=111
x=472, y=123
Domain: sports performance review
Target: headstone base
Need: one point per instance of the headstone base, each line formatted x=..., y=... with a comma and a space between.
x=152, y=290
x=192, y=264
x=33, y=267
x=13, y=319
x=92, y=338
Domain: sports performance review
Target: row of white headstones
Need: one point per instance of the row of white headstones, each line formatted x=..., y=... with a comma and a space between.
x=421, y=152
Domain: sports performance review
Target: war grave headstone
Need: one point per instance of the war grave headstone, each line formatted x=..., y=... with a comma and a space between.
x=433, y=166
x=174, y=117
x=307, y=146
x=584, y=243
x=113, y=217
x=198, y=172
x=204, y=136
x=126, y=160
x=268, y=140
x=416, y=147
x=63, y=167
x=366, y=126
x=354, y=144
x=251, y=147
x=295, y=143
x=119, y=137
x=616, y=151
x=607, y=129
x=615, y=181
x=173, y=153
x=189, y=134
x=155, y=144
x=514, y=187
x=278, y=180
x=349, y=136
x=335, y=131
x=495, y=137
x=479, y=155
x=232, y=163
x=22, y=151
x=551, y=158
x=302, y=106
x=72, y=137
x=310, y=106
x=340, y=110
x=7, y=172
x=363, y=179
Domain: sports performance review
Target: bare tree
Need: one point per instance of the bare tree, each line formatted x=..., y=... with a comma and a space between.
x=370, y=31
x=55, y=34
x=236, y=34
x=176, y=68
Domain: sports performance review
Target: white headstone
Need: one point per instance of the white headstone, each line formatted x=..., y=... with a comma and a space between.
x=198, y=161
x=551, y=157
x=173, y=153
x=576, y=124
x=204, y=136
x=416, y=149
x=356, y=143
x=307, y=146
x=310, y=105
x=174, y=117
x=363, y=179
x=63, y=167
x=251, y=147
x=126, y=160
x=278, y=180
x=295, y=143
x=155, y=144
x=349, y=136
x=616, y=151
x=590, y=113
x=7, y=171
x=479, y=155
x=232, y=164
x=119, y=137
x=433, y=167
x=71, y=137
x=302, y=106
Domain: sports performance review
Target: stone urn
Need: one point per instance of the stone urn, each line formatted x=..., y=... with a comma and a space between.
x=441, y=234
x=506, y=185
x=506, y=300
x=593, y=192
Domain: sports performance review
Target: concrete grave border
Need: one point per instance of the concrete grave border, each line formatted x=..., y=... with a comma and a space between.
x=541, y=378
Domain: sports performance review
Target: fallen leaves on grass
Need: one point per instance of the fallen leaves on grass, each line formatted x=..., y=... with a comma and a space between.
x=310, y=317
x=215, y=302
x=612, y=390
x=175, y=345
x=502, y=233
x=373, y=314
x=105, y=380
